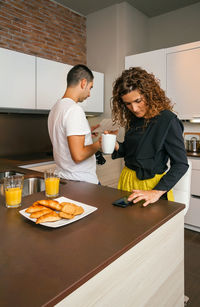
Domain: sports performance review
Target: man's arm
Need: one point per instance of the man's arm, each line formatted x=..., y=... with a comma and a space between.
x=80, y=152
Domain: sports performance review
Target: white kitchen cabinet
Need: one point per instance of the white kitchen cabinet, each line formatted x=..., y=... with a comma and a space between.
x=51, y=82
x=192, y=218
x=183, y=80
x=178, y=69
x=95, y=103
x=29, y=82
x=153, y=61
x=17, y=80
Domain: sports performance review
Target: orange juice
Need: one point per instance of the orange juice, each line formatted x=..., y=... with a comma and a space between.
x=52, y=186
x=13, y=196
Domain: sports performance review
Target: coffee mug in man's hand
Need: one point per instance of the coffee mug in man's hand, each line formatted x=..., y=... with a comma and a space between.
x=108, y=143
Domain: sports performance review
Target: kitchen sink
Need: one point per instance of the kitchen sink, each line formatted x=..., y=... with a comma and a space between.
x=31, y=185
x=9, y=173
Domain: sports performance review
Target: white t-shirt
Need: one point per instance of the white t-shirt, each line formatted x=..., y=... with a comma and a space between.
x=68, y=118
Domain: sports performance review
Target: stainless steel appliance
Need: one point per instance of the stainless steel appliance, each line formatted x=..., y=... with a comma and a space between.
x=192, y=145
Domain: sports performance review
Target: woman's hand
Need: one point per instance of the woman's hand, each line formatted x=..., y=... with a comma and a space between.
x=149, y=196
x=113, y=132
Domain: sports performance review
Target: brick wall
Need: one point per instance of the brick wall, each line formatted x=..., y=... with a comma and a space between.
x=43, y=28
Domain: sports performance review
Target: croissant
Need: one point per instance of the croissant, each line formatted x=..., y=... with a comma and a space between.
x=35, y=203
x=48, y=217
x=37, y=214
x=53, y=204
x=34, y=208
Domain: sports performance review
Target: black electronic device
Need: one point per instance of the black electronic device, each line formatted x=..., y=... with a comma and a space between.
x=123, y=202
x=99, y=158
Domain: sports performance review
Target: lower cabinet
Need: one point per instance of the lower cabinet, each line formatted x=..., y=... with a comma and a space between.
x=108, y=173
x=192, y=218
x=193, y=215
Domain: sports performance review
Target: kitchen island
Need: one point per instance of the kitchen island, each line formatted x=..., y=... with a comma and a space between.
x=112, y=257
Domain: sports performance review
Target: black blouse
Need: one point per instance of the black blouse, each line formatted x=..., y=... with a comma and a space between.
x=172, y=148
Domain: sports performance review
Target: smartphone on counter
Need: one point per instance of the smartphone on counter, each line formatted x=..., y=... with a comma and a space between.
x=123, y=202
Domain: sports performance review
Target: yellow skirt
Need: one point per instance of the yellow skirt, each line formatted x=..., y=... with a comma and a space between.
x=128, y=181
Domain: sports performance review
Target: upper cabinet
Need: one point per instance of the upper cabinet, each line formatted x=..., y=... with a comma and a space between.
x=178, y=70
x=51, y=82
x=183, y=81
x=17, y=80
x=153, y=61
x=95, y=103
x=29, y=82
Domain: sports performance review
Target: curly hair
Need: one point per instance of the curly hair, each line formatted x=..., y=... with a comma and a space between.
x=136, y=78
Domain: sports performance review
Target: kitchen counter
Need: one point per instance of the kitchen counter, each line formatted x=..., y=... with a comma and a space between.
x=193, y=154
x=42, y=266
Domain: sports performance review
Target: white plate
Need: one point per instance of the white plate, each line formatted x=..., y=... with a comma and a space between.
x=87, y=210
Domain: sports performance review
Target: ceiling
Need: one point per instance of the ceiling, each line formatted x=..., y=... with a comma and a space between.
x=150, y=8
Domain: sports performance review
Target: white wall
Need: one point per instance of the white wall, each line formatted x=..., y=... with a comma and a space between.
x=120, y=30
x=174, y=28
x=112, y=33
x=132, y=32
x=101, y=46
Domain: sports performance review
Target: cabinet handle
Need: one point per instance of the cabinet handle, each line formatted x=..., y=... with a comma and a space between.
x=195, y=196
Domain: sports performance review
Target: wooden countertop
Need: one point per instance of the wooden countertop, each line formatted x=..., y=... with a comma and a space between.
x=193, y=154
x=41, y=265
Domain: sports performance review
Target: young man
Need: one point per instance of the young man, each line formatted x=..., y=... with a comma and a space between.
x=69, y=130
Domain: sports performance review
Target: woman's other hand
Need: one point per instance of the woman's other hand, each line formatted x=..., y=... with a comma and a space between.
x=148, y=196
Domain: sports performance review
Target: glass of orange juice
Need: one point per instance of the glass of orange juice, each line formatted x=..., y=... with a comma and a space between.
x=13, y=186
x=52, y=182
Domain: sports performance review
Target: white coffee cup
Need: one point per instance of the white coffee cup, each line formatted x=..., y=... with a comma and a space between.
x=108, y=143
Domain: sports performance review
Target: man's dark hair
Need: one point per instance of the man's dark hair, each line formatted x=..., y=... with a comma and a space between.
x=77, y=73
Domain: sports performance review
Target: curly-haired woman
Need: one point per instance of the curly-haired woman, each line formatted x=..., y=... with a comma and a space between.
x=153, y=135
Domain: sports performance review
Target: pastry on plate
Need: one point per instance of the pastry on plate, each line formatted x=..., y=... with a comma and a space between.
x=79, y=210
x=48, y=217
x=34, y=208
x=53, y=204
x=69, y=208
x=66, y=215
x=35, y=203
x=37, y=214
